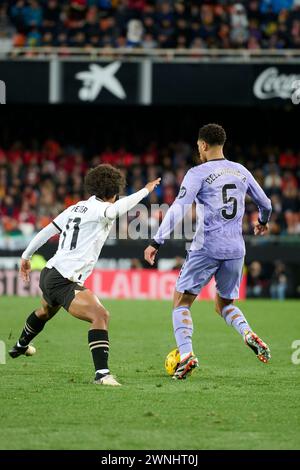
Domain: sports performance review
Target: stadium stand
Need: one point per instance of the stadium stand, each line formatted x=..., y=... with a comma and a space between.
x=39, y=181
x=253, y=24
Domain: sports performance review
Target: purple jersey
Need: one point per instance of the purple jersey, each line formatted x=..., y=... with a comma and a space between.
x=220, y=186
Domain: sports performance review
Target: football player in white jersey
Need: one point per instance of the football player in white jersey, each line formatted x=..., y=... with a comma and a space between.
x=83, y=228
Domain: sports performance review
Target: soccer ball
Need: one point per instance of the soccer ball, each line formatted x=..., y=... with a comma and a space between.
x=172, y=361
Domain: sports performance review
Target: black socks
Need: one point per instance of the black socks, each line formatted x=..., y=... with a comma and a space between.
x=99, y=347
x=33, y=326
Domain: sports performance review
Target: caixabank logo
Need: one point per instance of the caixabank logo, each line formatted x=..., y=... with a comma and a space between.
x=2, y=92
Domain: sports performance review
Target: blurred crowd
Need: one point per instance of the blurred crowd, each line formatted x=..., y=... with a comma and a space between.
x=37, y=183
x=274, y=283
x=252, y=24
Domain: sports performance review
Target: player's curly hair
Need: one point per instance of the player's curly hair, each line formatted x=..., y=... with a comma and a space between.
x=104, y=181
x=212, y=134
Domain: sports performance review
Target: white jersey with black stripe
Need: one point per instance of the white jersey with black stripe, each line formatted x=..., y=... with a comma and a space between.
x=84, y=229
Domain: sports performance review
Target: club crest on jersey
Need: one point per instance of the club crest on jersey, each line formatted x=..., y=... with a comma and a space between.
x=182, y=192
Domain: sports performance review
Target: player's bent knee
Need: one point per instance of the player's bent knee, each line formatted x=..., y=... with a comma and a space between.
x=220, y=303
x=43, y=314
x=183, y=300
x=105, y=315
x=99, y=314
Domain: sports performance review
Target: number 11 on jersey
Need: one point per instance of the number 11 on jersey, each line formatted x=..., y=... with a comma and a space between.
x=72, y=224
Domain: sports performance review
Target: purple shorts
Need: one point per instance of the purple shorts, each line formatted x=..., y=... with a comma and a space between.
x=199, y=268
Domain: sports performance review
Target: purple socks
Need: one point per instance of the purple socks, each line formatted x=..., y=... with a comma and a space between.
x=235, y=317
x=183, y=329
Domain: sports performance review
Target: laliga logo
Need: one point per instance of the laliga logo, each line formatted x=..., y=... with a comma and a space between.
x=270, y=84
x=100, y=77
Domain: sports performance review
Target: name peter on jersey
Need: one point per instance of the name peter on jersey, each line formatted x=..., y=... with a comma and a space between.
x=80, y=209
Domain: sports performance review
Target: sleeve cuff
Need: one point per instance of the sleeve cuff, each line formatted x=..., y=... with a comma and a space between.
x=262, y=223
x=155, y=244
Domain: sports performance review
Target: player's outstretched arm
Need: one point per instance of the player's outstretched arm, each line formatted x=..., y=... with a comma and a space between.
x=40, y=239
x=187, y=194
x=120, y=207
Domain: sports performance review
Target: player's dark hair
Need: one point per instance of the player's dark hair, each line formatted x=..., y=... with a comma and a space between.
x=212, y=134
x=104, y=181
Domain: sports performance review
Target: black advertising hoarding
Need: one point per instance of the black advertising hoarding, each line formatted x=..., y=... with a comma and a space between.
x=112, y=82
x=205, y=84
x=26, y=81
x=226, y=84
x=117, y=82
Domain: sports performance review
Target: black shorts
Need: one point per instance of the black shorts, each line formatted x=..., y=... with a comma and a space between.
x=56, y=289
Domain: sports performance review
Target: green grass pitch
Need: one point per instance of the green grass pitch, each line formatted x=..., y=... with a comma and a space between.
x=232, y=402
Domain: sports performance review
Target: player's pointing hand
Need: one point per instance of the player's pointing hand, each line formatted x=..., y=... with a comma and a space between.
x=153, y=184
x=25, y=269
